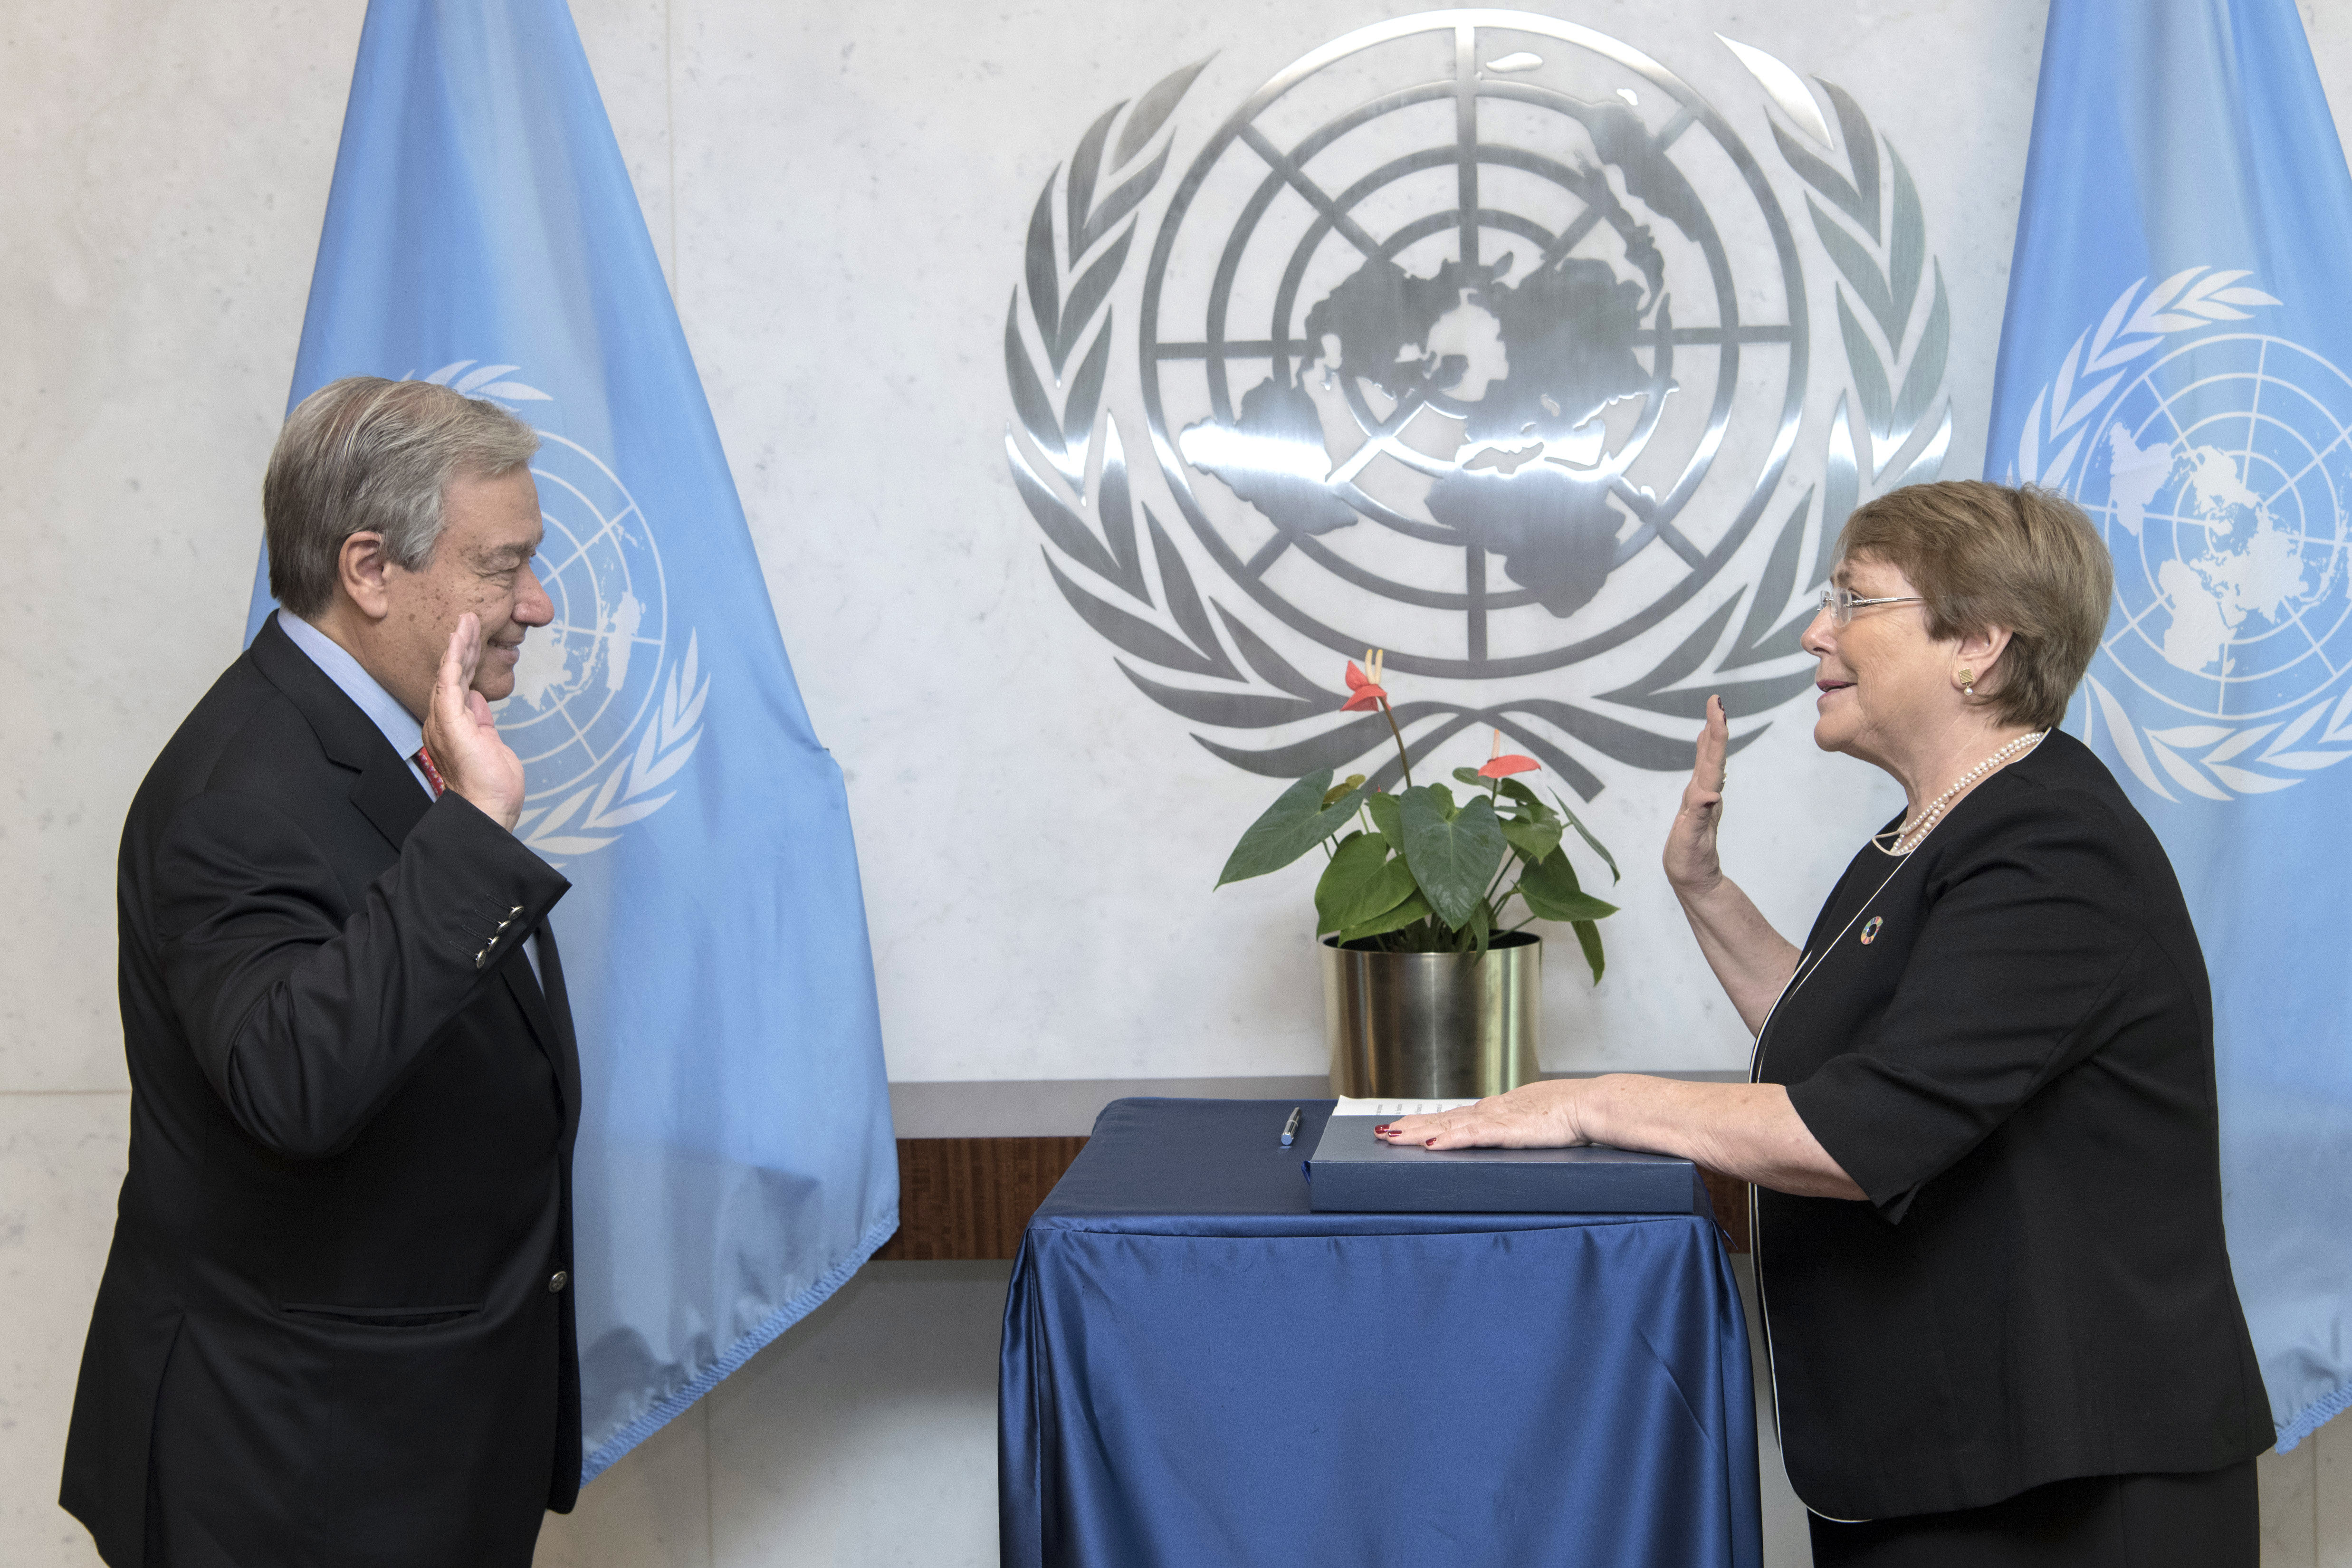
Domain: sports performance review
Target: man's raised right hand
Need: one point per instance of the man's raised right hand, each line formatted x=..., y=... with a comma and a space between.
x=463, y=737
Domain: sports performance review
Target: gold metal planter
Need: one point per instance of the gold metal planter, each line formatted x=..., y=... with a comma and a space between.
x=1432, y=1025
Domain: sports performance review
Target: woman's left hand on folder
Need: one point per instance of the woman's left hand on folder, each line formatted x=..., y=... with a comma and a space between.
x=1533, y=1116
x=1748, y=1130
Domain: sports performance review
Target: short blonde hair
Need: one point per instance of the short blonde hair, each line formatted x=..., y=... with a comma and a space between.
x=367, y=454
x=1984, y=555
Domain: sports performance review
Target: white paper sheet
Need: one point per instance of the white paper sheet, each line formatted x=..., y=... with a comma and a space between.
x=1397, y=1107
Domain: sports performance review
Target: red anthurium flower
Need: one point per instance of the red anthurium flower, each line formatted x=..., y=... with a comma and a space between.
x=1363, y=690
x=1501, y=764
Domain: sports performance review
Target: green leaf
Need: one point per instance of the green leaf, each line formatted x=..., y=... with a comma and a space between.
x=1454, y=855
x=1296, y=823
x=1586, y=833
x=1357, y=861
x=1521, y=796
x=1551, y=890
x=1389, y=817
x=1389, y=887
x=1533, y=841
x=1469, y=776
x=1444, y=799
x=1415, y=907
x=1575, y=908
x=1482, y=926
x=1345, y=787
x=1588, y=937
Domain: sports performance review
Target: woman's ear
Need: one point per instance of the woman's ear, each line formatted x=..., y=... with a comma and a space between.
x=1977, y=656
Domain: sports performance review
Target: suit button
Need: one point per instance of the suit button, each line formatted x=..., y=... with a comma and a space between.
x=557, y=1281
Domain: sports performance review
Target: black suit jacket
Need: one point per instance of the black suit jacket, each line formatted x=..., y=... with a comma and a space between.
x=335, y=1324
x=2008, y=1043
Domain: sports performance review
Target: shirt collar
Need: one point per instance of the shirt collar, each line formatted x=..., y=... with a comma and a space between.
x=381, y=706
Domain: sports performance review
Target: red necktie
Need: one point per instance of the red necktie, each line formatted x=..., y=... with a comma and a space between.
x=432, y=774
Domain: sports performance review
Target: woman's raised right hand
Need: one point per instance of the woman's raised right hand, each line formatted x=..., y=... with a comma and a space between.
x=1692, y=866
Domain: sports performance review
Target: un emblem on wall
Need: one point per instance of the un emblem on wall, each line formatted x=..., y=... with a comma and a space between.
x=605, y=709
x=1481, y=338
x=2218, y=460
x=1439, y=347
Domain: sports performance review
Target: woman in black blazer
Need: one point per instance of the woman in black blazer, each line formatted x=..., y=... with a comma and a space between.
x=1988, y=1233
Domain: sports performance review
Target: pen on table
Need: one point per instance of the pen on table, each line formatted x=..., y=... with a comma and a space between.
x=1290, y=1128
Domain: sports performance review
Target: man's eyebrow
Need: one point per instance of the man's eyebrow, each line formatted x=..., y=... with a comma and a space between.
x=505, y=555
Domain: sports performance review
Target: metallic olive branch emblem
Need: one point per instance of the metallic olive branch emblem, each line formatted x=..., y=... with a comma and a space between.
x=1535, y=502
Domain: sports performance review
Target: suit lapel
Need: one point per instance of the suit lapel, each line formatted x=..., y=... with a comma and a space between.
x=559, y=1004
x=386, y=793
x=550, y=1016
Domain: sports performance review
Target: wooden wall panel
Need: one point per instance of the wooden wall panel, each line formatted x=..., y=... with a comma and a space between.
x=962, y=1198
x=972, y=1197
x=1730, y=1197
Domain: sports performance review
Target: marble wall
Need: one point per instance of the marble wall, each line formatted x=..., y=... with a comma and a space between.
x=839, y=194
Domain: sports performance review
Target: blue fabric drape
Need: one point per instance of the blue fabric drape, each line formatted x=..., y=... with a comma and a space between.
x=1197, y=1369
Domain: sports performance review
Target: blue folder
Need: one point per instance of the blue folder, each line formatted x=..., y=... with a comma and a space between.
x=1351, y=1172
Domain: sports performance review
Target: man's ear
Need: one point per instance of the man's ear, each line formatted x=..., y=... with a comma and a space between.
x=361, y=567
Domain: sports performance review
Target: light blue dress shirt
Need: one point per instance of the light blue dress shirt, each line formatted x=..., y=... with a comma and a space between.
x=383, y=710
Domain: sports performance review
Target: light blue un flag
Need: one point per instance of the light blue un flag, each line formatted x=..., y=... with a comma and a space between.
x=2175, y=356
x=735, y=1161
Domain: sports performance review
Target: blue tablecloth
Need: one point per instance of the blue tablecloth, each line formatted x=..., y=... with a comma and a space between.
x=1197, y=1370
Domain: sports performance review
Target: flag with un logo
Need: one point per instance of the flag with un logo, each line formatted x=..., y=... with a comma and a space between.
x=735, y=1161
x=2177, y=356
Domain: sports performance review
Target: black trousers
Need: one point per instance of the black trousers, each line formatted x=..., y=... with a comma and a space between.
x=2209, y=1520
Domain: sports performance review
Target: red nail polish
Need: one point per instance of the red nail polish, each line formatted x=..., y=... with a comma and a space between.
x=1429, y=1143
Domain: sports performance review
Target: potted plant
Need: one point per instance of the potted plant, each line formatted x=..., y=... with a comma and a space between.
x=1427, y=992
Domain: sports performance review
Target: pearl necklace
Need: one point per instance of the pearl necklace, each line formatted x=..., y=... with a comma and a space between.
x=1909, y=836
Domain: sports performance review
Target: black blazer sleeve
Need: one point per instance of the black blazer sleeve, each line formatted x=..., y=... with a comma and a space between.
x=305, y=1027
x=2022, y=966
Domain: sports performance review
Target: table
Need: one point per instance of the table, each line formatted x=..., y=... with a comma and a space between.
x=976, y=1158
x=1196, y=1368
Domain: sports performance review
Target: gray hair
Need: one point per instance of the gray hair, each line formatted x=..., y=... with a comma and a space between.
x=364, y=454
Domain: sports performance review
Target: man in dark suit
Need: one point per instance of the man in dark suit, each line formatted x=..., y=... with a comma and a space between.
x=335, y=1326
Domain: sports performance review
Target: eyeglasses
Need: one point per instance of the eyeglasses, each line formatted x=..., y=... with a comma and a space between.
x=1841, y=603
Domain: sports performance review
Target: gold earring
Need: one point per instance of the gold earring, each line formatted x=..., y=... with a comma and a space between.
x=1969, y=683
